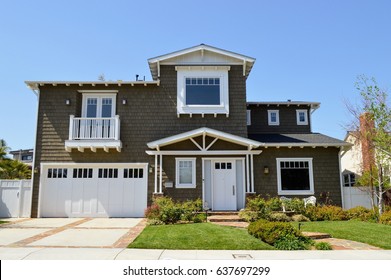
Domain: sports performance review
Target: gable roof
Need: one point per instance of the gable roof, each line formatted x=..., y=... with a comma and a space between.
x=200, y=55
x=201, y=131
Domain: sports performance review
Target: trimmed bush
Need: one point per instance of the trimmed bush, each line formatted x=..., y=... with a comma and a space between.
x=361, y=213
x=270, y=232
x=191, y=208
x=279, y=234
x=249, y=215
x=385, y=218
x=274, y=204
x=279, y=217
x=290, y=242
x=325, y=213
x=300, y=218
x=323, y=246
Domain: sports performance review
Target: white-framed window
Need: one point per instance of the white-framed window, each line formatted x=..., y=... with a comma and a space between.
x=302, y=117
x=349, y=180
x=273, y=117
x=98, y=104
x=202, y=89
x=295, y=176
x=185, y=172
x=248, y=116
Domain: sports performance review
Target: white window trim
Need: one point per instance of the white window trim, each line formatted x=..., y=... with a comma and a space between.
x=193, y=179
x=99, y=96
x=305, y=122
x=248, y=117
x=184, y=72
x=269, y=117
x=297, y=192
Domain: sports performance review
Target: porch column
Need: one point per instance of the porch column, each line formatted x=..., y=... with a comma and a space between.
x=247, y=174
x=252, y=173
x=161, y=175
x=155, y=191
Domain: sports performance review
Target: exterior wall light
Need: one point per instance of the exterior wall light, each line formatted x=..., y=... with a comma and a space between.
x=124, y=101
x=67, y=102
x=266, y=169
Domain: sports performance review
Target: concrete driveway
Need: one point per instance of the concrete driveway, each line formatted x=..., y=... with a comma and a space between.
x=70, y=232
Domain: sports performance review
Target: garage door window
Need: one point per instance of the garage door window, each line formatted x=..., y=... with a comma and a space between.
x=133, y=173
x=57, y=173
x=82, y=173
x=108, y=173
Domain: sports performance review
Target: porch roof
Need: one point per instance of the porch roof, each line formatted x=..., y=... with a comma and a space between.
x=207, y=132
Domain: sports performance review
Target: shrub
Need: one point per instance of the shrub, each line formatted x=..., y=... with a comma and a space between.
x=279, y=217
x=273, y=204
x=385, y=218
x=270, y=232
x=296, y=205
x=199, y=218
x=191, y=208
x=165, y=210
x=323, y=246
x=290, y=242
x=361, y=213
x=152, y=212
x=325, y=213
x=249, y=216
x=300, y=218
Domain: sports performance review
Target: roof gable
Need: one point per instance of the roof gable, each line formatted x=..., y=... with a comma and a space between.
x=200, y=132
x=201, y=55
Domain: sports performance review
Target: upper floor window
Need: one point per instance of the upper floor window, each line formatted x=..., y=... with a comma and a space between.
x=202, y=90
x=302, y=117
x=273, y=117
x=248, y=117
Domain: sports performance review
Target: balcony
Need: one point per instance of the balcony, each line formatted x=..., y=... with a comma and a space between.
x=93, y=133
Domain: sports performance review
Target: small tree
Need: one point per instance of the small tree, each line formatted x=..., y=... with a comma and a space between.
x=373, y=132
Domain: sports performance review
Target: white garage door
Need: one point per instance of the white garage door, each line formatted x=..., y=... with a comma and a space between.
x=110, y=190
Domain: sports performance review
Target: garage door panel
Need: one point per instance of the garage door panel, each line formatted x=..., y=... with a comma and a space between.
x=103, y=197
x=116, y=190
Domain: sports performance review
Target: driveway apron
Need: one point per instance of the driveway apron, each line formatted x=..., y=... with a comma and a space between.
x=71, y=232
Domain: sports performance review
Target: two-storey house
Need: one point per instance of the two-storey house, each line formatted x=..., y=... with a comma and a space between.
x=106, y=148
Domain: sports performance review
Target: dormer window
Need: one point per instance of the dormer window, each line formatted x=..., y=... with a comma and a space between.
x=202, y=90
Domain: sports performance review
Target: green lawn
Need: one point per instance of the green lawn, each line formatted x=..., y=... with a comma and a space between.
x=202, y=236
x=371, y=233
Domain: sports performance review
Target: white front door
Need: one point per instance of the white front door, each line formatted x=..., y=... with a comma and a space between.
x=224, y=185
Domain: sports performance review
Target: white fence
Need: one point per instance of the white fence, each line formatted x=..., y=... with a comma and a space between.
x=357, y=196
x=15, y=198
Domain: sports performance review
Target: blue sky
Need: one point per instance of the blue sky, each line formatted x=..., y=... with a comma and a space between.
x=305, y=50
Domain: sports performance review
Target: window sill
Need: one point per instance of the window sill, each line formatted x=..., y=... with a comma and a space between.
x=307, y=192
x=185, y=186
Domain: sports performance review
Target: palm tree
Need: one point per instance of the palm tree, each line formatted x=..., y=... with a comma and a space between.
x=13, y=169
x=3, y=149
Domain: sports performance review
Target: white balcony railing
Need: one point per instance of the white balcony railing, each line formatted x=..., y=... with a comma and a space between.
x=94, y=128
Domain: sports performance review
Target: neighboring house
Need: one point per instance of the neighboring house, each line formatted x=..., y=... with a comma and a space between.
x=25, y=156
x=106, y=148
x=354, y=162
